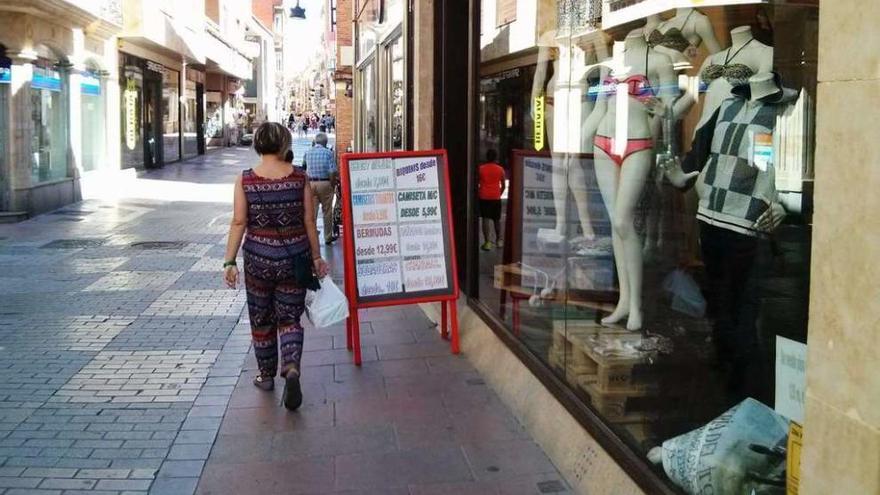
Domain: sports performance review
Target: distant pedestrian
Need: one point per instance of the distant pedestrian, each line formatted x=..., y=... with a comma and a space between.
x=291, y=121
x=320, y=163
x=272, y=211
x=491, y=188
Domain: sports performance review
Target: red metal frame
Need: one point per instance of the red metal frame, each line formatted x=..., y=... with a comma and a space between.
x=449, y=309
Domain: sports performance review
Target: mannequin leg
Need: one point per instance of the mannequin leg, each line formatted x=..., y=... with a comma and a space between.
x=485, y=224
x=577, y=181
x=633, y=175
x=560, y=191
x=608, y=176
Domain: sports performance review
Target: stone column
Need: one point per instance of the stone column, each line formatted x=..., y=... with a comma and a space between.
x=21, y=131
x=841, y=452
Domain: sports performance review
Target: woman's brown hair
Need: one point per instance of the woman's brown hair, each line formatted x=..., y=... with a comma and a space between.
x=272, y=138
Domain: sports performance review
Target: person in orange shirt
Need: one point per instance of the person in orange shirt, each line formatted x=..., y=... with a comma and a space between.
x=491, y=187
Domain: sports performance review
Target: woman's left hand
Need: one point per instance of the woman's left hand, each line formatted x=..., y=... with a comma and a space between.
x=322, y=269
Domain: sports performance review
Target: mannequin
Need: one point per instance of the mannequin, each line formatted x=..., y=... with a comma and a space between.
x=721, y=71
x=738, y=207
x=624, y=155
x=680, y=36
x=569, y=171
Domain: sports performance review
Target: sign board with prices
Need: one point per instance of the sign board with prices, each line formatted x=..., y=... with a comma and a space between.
x=397, y=228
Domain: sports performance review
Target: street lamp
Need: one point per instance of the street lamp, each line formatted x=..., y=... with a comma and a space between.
x=298, y=12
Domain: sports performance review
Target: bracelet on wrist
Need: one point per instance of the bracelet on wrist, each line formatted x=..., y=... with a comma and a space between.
x=229, y=263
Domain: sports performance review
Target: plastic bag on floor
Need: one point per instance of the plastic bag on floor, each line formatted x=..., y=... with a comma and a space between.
x=686, y=295
x=740, y=452
x=327, y=305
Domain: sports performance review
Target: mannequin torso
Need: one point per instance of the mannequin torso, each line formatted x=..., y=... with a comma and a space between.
x=721, y=71
x=678, y=36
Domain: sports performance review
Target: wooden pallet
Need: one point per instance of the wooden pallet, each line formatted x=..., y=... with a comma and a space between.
x=579, y=340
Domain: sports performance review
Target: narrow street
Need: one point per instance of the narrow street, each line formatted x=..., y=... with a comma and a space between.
x=125, y=367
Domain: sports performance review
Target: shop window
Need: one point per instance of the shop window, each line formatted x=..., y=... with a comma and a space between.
x=171, y=115
x=395, y=96
x=650, y=184
x=49, y=120
x=131, y=108
x=92, y=97
x=190, y=129
x=368, y=112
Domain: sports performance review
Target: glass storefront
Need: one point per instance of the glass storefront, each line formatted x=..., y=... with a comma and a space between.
x=654, y=240
x=92, y=120
x=213, y=116
x=381, y=78
x=170, y=115
x=49, y=118
x=190, y=126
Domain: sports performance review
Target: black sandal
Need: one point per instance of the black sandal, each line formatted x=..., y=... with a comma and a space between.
x=292, y=396
x=265, y=382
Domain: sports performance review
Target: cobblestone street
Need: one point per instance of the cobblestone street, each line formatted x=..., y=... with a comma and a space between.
x=125, y=367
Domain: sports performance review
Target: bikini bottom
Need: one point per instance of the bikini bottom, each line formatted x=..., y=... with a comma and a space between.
x=606, y=144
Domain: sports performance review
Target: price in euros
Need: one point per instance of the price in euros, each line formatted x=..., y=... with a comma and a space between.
x=386, y=249
x=429, y=211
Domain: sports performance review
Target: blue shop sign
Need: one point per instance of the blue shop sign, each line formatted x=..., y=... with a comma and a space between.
x=46, y=79
x=90, y=85
x=5, y=70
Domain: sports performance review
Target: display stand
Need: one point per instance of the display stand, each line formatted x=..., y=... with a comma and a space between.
x=397, y=236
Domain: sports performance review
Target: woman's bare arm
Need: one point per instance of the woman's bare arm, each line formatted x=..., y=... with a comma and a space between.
x=239, y=221
x=309, y=220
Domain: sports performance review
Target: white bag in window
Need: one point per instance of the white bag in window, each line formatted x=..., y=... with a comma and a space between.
x=327, y=305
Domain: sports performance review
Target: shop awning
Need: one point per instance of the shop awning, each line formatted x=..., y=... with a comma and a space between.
x=221, y=57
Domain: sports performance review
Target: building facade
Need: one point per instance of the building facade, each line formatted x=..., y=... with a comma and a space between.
x=90, y=89
x=666, y=279
x=58, y=89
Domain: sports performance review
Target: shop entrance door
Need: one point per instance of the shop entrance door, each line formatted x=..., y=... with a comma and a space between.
x=200, y=117
x=153, y=122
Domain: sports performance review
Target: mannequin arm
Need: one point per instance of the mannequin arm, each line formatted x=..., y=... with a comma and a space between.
x=591, y=123
x=682, y=172
x=703, y=28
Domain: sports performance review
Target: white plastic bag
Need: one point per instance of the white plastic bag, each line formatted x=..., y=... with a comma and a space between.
x=327, y=305
x=686, y=295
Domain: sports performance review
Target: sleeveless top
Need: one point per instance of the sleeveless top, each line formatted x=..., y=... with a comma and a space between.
x=276, y=216
x=673, y=38
x=736, y=74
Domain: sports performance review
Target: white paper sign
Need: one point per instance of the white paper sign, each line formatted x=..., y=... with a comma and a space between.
x=791, y=381
x=378, y=278
x=399, y=237
x=416, y=173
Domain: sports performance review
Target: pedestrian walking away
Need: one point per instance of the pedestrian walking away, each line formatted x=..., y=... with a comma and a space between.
x=320, y=164
x=272, y=212
x=491, y=188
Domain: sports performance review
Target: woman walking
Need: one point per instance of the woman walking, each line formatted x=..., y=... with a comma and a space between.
x=273, y=213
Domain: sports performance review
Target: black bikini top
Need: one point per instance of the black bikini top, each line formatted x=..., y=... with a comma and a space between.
x=735, y=74
x=673, y=38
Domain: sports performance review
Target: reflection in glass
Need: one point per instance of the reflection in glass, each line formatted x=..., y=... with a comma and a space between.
x=657, y=300
x=397, y=102
x=49, y=117
x=171, y=115
x=92, y=121
x=190, y=129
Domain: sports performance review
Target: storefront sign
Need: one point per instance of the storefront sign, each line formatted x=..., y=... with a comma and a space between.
x=153, y=66
x=5, y=70
x=539, y=123
x=46, y=79
x=791, y=366
x=398, y=232
x=793, y=458
x=132, y=117
x=90, y=85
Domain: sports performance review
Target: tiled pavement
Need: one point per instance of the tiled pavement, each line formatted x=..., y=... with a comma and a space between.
x=125, y=368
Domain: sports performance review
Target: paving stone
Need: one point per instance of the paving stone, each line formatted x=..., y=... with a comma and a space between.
x=123, y=484
x=174, y=486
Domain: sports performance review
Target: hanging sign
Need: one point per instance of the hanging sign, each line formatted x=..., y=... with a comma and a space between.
x=132, y=120
x=46, y=79
x=398, y=232
x=539, y=123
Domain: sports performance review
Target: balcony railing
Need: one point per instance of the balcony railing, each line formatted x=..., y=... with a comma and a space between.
x=578, y=16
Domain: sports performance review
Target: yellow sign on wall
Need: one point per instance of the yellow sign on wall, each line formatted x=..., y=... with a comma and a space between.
x=131, y=114
x=539, y=123
x=793, y=463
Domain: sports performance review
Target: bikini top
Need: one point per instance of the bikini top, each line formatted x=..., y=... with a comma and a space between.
x=638, y=85
x=735, y=74
x=673, y=38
